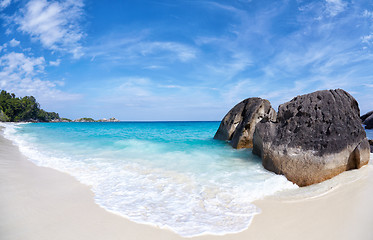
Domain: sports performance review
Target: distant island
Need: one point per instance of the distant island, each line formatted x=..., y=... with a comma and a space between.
x=27, y=109
x=113, y=119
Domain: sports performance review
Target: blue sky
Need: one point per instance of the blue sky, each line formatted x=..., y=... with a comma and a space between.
x=182, y=60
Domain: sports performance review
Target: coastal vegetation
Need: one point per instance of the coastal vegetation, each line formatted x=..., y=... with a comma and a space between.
x=85, y=119
x=15, y=109
x=27, y=109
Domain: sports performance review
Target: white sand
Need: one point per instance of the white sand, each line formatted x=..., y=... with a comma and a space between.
x=41, y=203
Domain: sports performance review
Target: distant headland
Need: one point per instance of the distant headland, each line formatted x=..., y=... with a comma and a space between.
x=27, y=109
x=113, y=119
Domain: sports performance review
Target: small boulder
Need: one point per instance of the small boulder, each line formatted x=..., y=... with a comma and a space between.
x=238, y=125
x=365, y=116
x=316, y=137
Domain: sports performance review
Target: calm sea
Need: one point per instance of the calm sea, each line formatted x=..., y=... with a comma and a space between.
x=170, y=174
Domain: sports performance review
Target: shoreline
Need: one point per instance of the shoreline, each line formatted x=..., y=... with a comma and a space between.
x=43, y=203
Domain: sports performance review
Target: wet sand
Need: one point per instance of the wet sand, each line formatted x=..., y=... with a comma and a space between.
x=41, y=203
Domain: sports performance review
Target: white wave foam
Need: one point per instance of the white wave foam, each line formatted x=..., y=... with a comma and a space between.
x=183, y=202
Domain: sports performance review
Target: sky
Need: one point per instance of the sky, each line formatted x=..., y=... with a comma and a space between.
x=155, y=60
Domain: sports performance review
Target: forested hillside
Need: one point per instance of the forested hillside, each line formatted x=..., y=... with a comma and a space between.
x=14, y=109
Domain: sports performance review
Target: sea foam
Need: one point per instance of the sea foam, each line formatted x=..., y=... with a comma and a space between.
x=171, y=175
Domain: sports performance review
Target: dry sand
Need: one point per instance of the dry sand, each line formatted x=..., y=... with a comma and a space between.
x=41, y=203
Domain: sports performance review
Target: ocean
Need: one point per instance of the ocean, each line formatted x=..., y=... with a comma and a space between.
x=172, y=175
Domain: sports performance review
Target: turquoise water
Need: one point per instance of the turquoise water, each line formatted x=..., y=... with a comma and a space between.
x=369, y=133
x=172, y=175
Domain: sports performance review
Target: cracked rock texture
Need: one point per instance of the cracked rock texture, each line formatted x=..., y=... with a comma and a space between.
x=315, y=137
x=239, y=124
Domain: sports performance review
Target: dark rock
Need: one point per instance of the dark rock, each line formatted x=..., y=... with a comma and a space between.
x=84, y=120
x=371, y=145
x=113, y=119
x=239, y=124
x=316, y=137
x=365, y=116
x=369, y=122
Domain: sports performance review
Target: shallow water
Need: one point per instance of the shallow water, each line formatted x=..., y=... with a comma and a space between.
x=169, y=174
x=369, y=133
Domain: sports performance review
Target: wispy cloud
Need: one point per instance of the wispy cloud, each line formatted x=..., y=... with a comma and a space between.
x=131, y=50
x=368, y=14
x=181, y=52
x=334, y=7
x=56, y=24
x=4, y=4
x=318, y=54
x=367, y=39
x=3, y=47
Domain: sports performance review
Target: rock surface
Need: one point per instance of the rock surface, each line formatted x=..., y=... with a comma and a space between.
x=367, y=120
x=84, y=120
x=113, y=119
x=365, y=116
x=316, y=137
x=371, y=145
x=239, y=124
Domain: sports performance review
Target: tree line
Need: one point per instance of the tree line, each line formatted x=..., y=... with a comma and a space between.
x=15, y=109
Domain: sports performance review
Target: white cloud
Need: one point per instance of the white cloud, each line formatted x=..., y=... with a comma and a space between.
x=334, y=7
x=367, y=39
x=54, y=24
x=55, y=63
x=18, y=63
x=367, y=14
x=4, y=4
x=181, y=51
x=14, y=43
x=3, y=47
x=153, y=67
x=19, y=74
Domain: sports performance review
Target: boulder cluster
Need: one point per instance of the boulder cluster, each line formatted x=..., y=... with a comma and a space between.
x=312, y=138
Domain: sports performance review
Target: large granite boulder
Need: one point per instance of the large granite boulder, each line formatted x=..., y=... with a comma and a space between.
x=367, y=120
x=316, y=137
x=239, y=124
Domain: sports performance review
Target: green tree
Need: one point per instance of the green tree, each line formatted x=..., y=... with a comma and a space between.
x=23, y=109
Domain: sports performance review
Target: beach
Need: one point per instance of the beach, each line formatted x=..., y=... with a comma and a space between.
x=42, y=203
